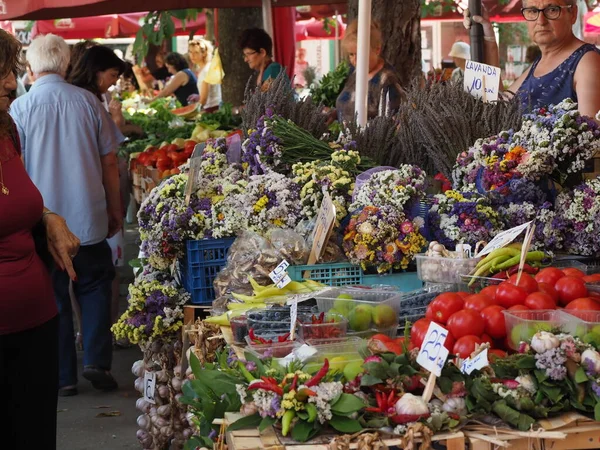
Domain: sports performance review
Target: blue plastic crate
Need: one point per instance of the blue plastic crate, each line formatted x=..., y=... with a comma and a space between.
x=203, y=261
x=338, y=274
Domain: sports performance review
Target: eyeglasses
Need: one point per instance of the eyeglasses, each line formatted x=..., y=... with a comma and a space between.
x=249, y=54
x=550, y=12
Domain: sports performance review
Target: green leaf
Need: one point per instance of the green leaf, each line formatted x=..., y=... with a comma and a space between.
x=266, y=423
x=580, y=376
x=554, y=394
x=597, y=412
x=302, y=431
x=347, y=404
x=302, y=414
x=377, y=369
x=526, y=362
x=522, y=421
x=344, y=424
x=259, y=364
x=370, y=380
x=252, y=421
x=395, y=368
x=168, y=27
x=195, y=365
x=445, y=384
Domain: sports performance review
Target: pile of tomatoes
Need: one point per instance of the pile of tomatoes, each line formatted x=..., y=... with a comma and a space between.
x=167, y=158
x=472, y=319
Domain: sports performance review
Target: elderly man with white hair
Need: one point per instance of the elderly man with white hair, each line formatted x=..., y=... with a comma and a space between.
x=69, y=144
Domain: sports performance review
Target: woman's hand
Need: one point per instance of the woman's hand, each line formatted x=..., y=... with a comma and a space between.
x=483, y=20
x=62, y=244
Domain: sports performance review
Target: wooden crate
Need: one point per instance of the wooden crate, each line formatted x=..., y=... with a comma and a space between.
x=270, y=439
x=569, y=431
x=192, y=312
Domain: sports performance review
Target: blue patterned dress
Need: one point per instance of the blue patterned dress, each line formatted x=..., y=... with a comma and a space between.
x=554, y=87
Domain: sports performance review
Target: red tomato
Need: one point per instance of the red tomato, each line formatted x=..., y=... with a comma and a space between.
x=518, y=308
x=477, y=302
x=526, y=282
x=569, y=289
x=549, y=289
x=418, y=331
x=540, y=300
x=495, y=353
x=429, y=313
x=594, y=278
x=463, y=294
x=163, y=163
x=493, y=319
x=444, y=305
x=583, y=304
x=549, y=275
x=488, y=339
x=509, y=295
x=382, y=337
x=465, y=345
x=449, y=343
x=490, y=291
x=465, y=322
x=393, y=347
x=573, y=272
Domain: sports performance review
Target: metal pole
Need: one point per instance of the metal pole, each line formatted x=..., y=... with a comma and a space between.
x=336, y=47
x=476, y=32
x=362, y=60
x=267, y=13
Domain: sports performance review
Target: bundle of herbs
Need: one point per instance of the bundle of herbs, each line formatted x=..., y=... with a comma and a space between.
x=280, y=98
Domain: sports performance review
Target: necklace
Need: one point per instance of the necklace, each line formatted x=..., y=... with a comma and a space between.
x=3, y=187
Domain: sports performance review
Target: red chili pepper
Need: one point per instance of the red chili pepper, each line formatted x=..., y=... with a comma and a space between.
x=294, y=383
x=319, y=375
x=269, y=380
x=283, y=338
x=526, y=268
x=390, y=399
x=267, y=387
x=501, y=275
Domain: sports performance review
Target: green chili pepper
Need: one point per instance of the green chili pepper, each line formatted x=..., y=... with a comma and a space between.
x=286, y=421
x=247, y=375
x=311, y=409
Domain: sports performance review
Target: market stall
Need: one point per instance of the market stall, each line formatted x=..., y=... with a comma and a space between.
x=368, y=304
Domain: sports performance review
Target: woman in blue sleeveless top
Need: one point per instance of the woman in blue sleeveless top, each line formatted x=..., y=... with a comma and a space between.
x=568, y=67
x=183, y=83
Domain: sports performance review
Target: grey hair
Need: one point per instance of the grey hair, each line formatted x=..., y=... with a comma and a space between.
x=48, y=53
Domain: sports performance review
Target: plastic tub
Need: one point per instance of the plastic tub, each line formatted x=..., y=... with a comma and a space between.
x=328, y=330
x=414, y=304
x=340, y=353
x=589, y=322
x=366, y=308
x=474, y=284
x=239, y=329
x=566, y=263
x=522, y=325
x=274, y=319
x=443, y=270
x=275, y=350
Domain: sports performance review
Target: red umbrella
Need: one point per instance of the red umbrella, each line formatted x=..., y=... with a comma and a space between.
x=51, y=9
x=315, y=29
x=592, y=23
x=509, y=11
x=109, y=26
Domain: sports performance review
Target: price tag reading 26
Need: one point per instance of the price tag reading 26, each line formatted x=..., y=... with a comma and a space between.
x=433, y=354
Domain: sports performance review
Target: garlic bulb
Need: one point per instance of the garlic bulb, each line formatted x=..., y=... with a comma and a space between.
x=455, y=405
x=543, y=341
x=163, y=390
x=138, y=368
x=411, y=404
x=176, y=383
x=143, y=422
x=164, y=410
x=594, y=359
x=143, y=405
x=139, y=385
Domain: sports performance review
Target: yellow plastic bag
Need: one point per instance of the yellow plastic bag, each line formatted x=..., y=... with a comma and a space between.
x=215, y=70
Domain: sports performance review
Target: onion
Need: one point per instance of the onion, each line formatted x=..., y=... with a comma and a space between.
x=176, y=383
x=143, y=422
x=164, y=410
x=138, y=368
x=143, y=405
x=139, y=385
x=163, y=391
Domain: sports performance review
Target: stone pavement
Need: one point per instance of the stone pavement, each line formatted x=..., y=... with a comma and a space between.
x=79, y=427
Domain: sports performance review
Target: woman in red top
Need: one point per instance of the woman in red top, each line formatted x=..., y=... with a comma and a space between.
x=28, y=321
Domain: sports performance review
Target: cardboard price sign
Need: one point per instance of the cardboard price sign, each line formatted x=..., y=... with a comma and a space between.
x=149, y=386
x=478, y=362
x=192, y=181
x=323, y=228
x=504, y=238
x=482, y=81
x=433, y=354
x=279, y=275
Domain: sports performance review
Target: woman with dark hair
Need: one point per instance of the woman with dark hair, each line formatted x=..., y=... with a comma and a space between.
x=28, y=311
x=257, y=48
x=183, y=83
x=97, y=70
x=77, y=52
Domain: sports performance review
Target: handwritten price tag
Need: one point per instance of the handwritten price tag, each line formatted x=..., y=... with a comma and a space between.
x=482, y=81
x=433, y=354
x=478, y=362
x=293, y=318
x=279, y=276
x=149, y=386
x=323, y=228
x=504, y=238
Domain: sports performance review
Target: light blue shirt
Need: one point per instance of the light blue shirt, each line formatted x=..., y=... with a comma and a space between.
x=64, y=132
